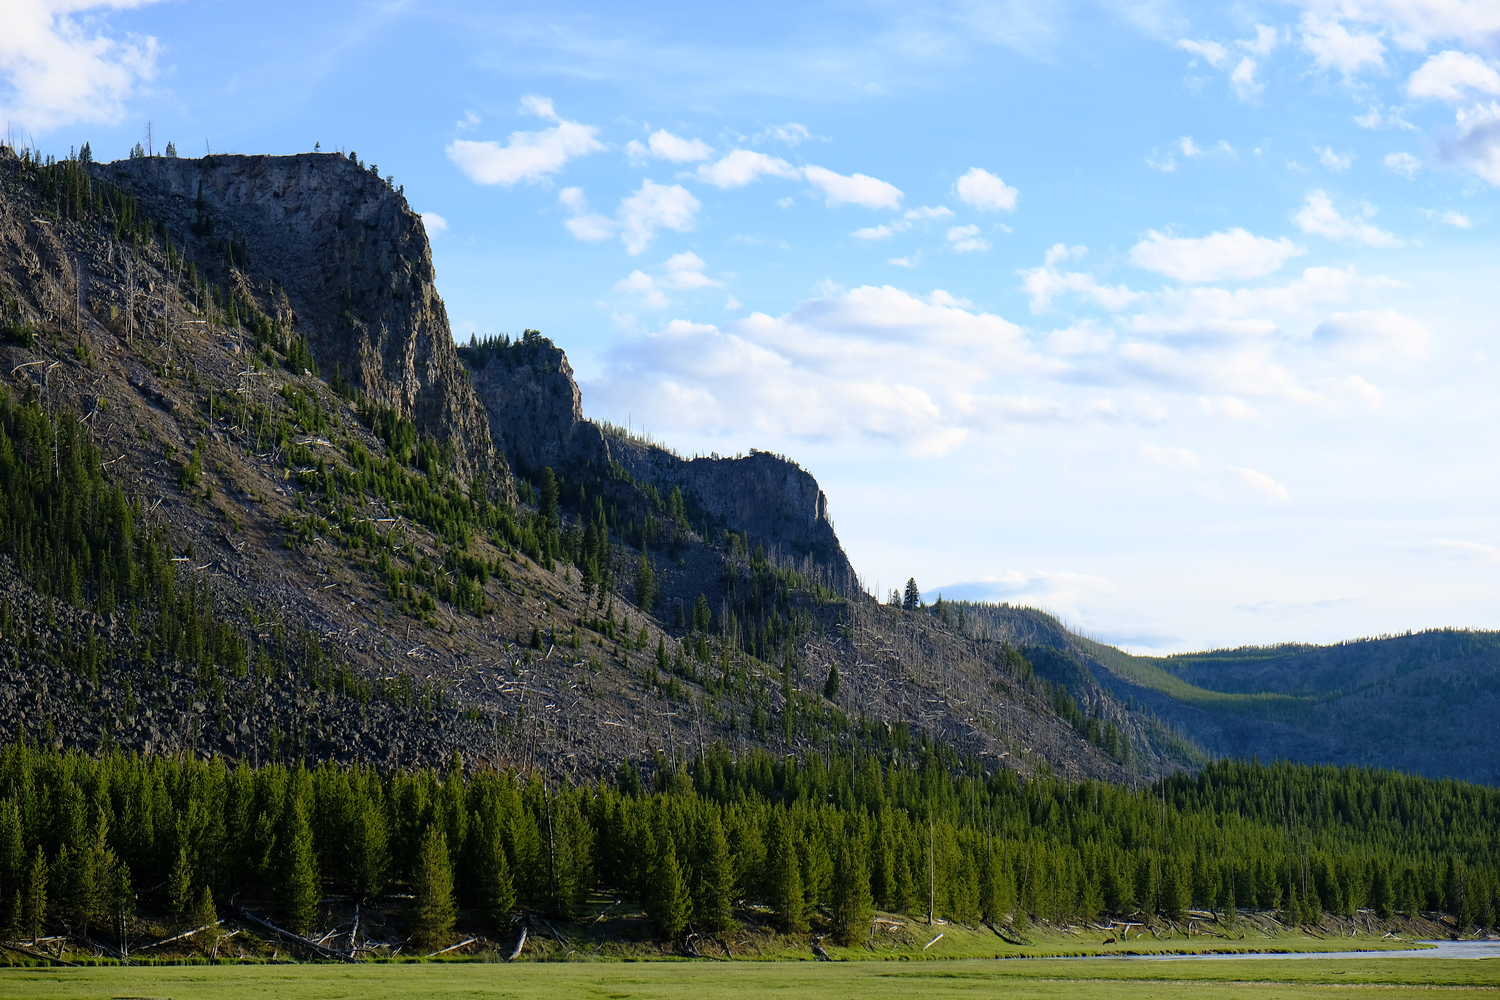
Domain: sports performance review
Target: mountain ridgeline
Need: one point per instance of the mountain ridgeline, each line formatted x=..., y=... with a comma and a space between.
x=275, y=551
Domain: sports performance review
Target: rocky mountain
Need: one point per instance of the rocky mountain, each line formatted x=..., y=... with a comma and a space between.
x=256, y=503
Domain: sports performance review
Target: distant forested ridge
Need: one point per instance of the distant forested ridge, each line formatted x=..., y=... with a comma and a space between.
x=82, y=838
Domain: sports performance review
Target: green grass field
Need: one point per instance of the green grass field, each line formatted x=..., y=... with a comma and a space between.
x=1271, y=979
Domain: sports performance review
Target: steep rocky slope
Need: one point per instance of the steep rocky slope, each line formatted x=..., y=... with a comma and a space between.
x=330, y=558
x=336, y=255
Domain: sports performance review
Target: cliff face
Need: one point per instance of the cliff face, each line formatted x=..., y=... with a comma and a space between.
x=340, y=255
x=536, y=416
x=534, y=406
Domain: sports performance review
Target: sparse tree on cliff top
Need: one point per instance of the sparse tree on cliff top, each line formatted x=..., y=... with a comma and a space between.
x=913, y=597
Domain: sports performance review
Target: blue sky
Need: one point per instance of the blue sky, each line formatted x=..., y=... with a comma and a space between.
x=1175, y=320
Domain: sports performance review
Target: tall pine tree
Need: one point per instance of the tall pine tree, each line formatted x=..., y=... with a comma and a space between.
x=432, y=913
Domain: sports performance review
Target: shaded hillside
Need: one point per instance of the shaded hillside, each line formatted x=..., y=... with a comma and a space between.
x=1425, y=703
x=254, y=508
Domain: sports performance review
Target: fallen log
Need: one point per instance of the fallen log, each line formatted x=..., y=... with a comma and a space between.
x=519, y=945
x=287, y=935
x=38, y=954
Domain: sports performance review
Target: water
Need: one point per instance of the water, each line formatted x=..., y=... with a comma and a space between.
x=1439, y=949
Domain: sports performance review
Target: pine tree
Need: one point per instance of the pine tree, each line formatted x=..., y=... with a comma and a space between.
x=204, y=915
x=432, y=913
x=667, y=901
x=831, y=685
x=180, y=889
x=34, y=908
x=852, y=904
x=370, y=847
x=713, y=898
x=497, y=891
x=301, y=884
x=912, y=599
x=645, y=582
x=784, y=875
x=547, y=506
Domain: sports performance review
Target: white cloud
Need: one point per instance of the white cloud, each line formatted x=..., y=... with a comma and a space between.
x=1448, y=75
x=636, y=152
x=911, y=261
x=877, y=364
x=666, y=146
x=1210, y=52
x=1457, y=219
x=584, y=226
x=1319, y=217
x=1189, y=148
x=744, y=166
x=683, y=271
x=1477, y=145
x=1337, y=162
x=1234, y=255
x=528, y=156
x=1333, y=46
x=733, y=305
x=1043, y=284
x=653, y=207
x=1265, y=41
x=1372, y=335
x=56, y=70
x=940, y=212
x=1403, y=163
x=642, y=284
x=881, y=232
x=434, y=223
x=855, y=189
x=966, y=239
x=786, y=202
x=1243, y=79
x=791, y=133
x=468, y=121
x=986, y=192
x=1263, y=484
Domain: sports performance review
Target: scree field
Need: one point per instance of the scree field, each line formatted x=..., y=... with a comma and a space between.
x=1129, y=980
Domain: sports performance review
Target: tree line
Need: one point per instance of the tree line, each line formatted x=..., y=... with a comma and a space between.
x=825, y=839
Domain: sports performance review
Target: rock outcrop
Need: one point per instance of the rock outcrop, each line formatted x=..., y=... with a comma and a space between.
x=534, y=406
x=353, y=266
x=536, y=416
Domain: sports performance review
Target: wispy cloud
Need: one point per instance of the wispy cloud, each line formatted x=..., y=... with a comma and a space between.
x=527, y=156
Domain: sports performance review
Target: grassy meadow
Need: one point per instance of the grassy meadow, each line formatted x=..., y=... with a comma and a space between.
x=1038, y=978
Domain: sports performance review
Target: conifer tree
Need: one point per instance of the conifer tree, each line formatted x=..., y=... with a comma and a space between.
x=12, y=859
x=667, y=901
x=370, y=847
x=713, y=898
x=301, y=883
x=831, y=685
x=547, y=505
x=912, y=599
x=645, y=582
x=784, y=875
x=497, y=891
x=432, y=913
x=34, y=907
x=852, y=905
x=204, y=915
x=180, y=888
